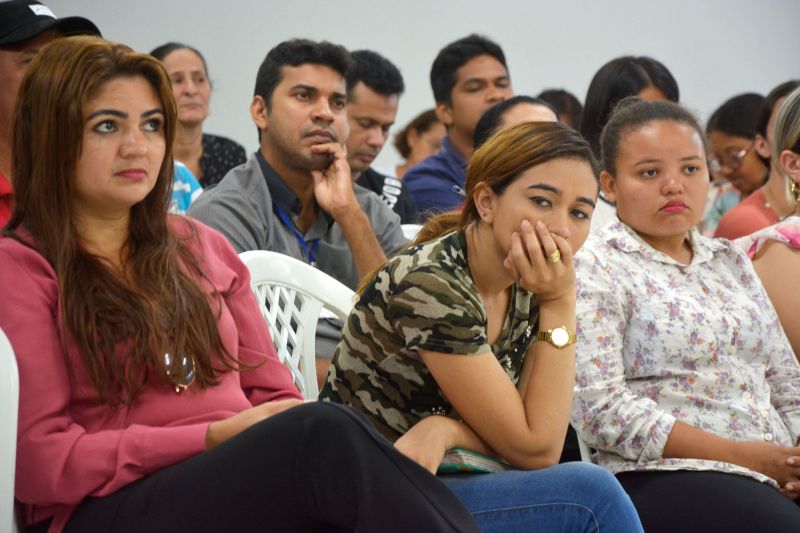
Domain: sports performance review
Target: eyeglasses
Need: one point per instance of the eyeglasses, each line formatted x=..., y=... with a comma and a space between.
x=731, y=160
x=180, y=371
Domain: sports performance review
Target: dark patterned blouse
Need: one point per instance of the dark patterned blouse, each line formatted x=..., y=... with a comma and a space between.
x=220, y=154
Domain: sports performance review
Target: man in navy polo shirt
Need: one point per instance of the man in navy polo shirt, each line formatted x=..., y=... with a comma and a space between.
x=467, y=77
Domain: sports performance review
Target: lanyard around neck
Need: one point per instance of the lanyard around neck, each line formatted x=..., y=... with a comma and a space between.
x=310, y=251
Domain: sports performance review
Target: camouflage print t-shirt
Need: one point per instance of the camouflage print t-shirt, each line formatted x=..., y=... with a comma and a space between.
x=423, y=299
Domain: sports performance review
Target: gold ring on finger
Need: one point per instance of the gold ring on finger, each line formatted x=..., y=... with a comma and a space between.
x=555, y=257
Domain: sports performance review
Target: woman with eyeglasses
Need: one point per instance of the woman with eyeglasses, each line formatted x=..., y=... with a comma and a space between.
x=686, y=385
x=776, y=250
x=769, y=204
x=731, y=133
x=151, y=397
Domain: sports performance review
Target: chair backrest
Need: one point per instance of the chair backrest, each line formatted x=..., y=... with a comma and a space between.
x=291, y=294
x=9, y=405
x=410, y=231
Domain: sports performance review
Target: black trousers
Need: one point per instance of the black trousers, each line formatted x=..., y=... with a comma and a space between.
x=316, y=467
x=687, y=501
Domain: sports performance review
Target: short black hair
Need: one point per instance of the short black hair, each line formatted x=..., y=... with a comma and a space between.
x=565, y=103
x=737, y=116
x=376, y=72
x=454, y=56
x=619, y=78
x=632, y=113
x=492, y=117
x=765, y=111
x=294, y=53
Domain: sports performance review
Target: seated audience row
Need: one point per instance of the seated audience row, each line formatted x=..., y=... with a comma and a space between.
x=487, y=333
x=151, y=397
x=676, y=336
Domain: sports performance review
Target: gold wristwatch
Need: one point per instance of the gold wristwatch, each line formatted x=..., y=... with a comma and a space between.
x=559, y=337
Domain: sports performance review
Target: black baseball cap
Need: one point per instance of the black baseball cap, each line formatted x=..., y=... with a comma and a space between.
x=21, y=20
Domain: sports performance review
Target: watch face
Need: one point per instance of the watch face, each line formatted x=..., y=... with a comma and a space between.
x=560, y=337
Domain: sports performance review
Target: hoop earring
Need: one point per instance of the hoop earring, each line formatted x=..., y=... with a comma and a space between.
x=794, y=188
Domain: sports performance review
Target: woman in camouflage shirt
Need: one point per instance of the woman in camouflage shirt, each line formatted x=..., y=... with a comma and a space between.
x=439, y=350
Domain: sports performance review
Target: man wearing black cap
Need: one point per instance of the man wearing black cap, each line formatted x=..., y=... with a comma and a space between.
x=25, y=27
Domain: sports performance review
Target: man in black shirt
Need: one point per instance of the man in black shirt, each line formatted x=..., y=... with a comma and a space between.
x=374, y=90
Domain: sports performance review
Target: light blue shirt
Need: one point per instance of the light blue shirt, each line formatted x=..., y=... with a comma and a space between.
x=185, y=189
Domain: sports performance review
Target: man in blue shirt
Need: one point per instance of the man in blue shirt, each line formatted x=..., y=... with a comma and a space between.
x=467, y=77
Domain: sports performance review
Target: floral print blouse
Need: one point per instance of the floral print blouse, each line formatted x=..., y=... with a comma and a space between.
x=787, y=232
x=659, y=341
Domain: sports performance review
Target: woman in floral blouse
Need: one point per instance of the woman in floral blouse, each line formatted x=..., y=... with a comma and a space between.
x=776, y=250
x=687, y=387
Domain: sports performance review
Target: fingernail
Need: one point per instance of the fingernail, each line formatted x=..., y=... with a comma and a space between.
x=790, y=460
x=526, y=225
x=540, y=225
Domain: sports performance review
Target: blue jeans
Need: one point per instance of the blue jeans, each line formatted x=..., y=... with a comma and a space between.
x=563, y=498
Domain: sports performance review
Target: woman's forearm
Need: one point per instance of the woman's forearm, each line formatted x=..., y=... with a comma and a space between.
x=775, y=461
x=460, y=435
x=549, y=379
x=688, y=442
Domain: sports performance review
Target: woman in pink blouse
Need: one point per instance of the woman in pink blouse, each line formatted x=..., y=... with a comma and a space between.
x=151, y=397
x=776, y=250
x=687, y=387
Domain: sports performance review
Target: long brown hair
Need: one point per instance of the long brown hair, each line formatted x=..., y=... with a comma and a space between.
x=498, y=162
x=123, y=323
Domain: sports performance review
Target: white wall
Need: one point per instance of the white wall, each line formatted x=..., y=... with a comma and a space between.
x=714, y=48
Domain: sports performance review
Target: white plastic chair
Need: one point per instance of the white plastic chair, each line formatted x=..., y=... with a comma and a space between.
x=9, y=405
x=410, y=230
x=291, y=295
